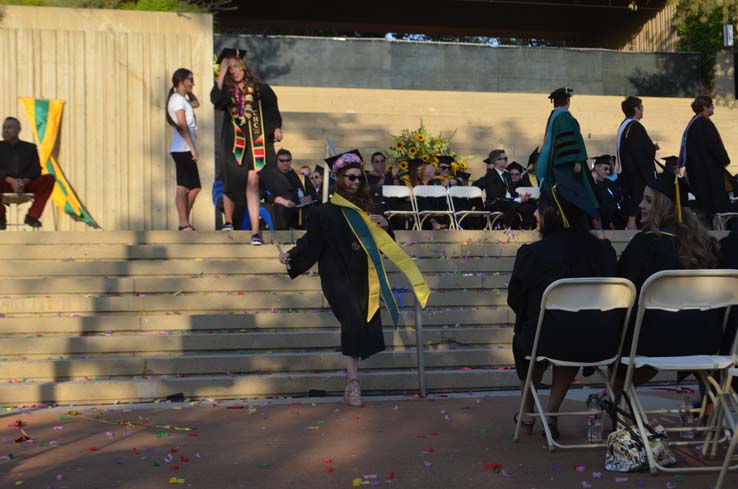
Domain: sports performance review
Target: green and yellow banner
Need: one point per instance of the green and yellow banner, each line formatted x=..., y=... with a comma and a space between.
x=45, y=117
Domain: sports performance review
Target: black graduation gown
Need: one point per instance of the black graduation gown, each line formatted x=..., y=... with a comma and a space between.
x=706, y=162
x=585, y=335
x=637, y=153
x=234, y=175
x=666, y=333
x=610, y=197
x=342, y=265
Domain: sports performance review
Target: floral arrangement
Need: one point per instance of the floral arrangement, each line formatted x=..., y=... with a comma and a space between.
x=421, y=145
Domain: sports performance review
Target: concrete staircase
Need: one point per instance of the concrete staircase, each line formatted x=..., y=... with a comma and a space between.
x=123, y=316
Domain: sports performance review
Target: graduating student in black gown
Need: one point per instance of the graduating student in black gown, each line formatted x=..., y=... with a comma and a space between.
x=664, y=243
x=636, y=154
x=246, y=104
x=561, y=253
x=705, y=158
x=343, y=269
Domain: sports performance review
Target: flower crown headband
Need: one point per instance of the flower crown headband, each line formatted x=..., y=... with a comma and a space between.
x=345, y=160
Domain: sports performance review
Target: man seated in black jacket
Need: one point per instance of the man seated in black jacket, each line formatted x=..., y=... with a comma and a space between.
x=501, y=195
x=20, y=172
x=285, y=190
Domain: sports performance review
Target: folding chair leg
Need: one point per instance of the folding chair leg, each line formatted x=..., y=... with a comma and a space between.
x=728, y=457
x=639, y=416
x=544, y=421
x=528, y=385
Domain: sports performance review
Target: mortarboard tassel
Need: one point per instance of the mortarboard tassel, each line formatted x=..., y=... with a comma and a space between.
x=561, y=210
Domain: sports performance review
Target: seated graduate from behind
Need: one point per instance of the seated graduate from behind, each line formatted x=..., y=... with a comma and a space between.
x=609, y=195
x=729, y=259
x=567, y=249
x=672, y=238
x=345, y=238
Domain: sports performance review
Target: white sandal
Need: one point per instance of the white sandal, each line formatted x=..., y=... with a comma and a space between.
x=352, y=393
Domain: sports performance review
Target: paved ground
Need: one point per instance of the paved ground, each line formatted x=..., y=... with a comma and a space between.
x=392, y=442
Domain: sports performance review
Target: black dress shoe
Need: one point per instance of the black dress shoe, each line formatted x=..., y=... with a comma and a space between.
x=3, y=225
x=32, y=221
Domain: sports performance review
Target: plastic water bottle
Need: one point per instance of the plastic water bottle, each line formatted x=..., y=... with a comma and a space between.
x=594, y=427
x=687, y=421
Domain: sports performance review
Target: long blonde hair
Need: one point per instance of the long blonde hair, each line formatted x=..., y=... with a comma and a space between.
x=695, y=246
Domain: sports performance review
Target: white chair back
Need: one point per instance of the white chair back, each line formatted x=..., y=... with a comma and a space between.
x=534, y=192
x=432, y=191
x=396, y=192
x=470, y=192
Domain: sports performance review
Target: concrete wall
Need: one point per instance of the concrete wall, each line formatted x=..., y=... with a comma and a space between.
x=113, y=69
x=365, y=118
x=381, y=64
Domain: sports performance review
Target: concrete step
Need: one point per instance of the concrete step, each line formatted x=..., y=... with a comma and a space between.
x=220, y=268
x=231, y=386
x=173, y=343
x=219, y=301
x=314, y=361
x=256, y=282
x=277, y=320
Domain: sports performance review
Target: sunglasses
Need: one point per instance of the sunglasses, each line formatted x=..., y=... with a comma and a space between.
x=502, y=158
x=284, y=161
x=514, y=174
x=353, y=178
x=316, y=177
x=444, y=167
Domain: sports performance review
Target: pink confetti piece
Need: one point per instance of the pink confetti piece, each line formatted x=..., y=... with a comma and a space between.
x=597, y=475
x=586, y=485
x=580, y=468
x=670, y=485
x=620, y=480
x=426, y=463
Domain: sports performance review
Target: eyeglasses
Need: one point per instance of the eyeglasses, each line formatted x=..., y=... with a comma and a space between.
x=444, y=167
x=353, y=178
x=284, y=161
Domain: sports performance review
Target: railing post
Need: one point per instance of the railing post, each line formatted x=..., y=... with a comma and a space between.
x=419, y=346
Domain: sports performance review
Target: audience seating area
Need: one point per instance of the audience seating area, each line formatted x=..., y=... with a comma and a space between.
x=106, y=316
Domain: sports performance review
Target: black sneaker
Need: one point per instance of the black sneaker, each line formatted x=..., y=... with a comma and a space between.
x=3, y=224
x=32, y=221
x=256, y=240
x=228, y=226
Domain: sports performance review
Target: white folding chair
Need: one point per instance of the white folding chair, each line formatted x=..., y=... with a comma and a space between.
x=731, y=417
x=676, y=290
x=721, y=219
x=573, y=295
x=400, y=192
x=433, y=192
x=469, y=193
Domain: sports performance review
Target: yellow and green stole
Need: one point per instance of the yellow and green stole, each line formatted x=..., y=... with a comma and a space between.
x=375, y=239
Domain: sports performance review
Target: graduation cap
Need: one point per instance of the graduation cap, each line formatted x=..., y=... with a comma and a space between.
x=670, y=163
x=445, y=160
x=571, y=197
x=348, y=159
x=666, y=184
x=603, y=160
x=414, y=164
x=231, y=53
x=516, y=166
x=319, y=169
x=561, y=93
x=533, y=158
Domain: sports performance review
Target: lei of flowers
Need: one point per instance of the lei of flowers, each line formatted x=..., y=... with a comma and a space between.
x=242, y=107
x=420, y=144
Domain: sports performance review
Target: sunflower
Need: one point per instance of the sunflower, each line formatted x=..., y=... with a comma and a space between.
x=403, y=165
x=420, y=137
x=399, y=146
x=425, y=158
x=412, y=150
x=463, y=166
x=454, y=167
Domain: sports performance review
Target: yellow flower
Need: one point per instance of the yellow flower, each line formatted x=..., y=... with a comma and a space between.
x=403, y=165
x=463, y=166
x=412, y=150
x=399, y=146
x=425, y=158
x=420, y=137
